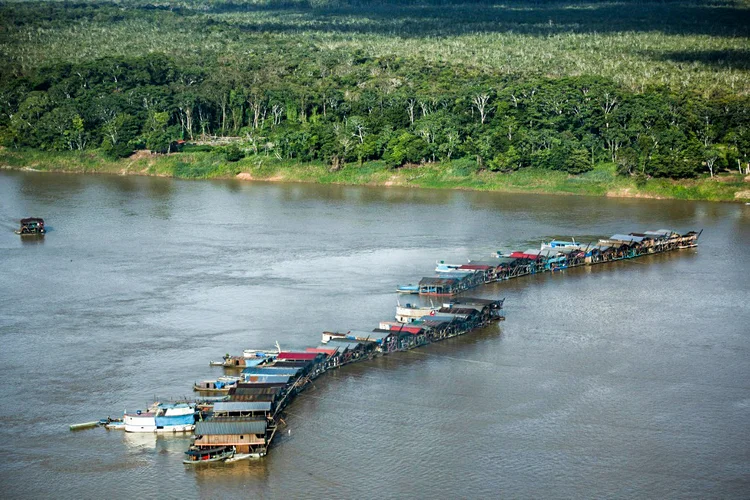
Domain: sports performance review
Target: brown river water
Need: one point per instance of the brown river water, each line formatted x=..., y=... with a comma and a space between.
x=617, y=381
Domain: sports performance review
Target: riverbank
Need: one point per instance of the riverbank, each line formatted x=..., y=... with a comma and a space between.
x=462, y=174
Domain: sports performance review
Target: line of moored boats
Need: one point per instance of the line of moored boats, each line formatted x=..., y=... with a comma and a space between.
x=238, y=415
x=556, y=255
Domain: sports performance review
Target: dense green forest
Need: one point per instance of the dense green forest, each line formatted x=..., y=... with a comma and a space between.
x=655, y=89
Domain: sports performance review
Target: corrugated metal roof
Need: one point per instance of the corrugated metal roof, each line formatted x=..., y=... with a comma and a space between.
x=438, y=281
x=253, y=389
x=432, y=323
x=327, y=352
x=292, y=363
x=457, y=310
x=253, y=397
x=274, y=385
x=490, y=263
x=405, y=328
x=242, y=406
x=506, y=260
x=477, y=266
x=230, y=427
x=343, y=344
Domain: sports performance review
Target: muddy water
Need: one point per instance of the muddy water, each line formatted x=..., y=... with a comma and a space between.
x=628, y=380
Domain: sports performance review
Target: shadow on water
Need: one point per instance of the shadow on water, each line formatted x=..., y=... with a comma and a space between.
x=51, y=187
x=364, y=195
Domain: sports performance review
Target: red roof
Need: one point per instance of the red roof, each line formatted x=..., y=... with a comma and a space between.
x=328, y=352
x=298, y=355
x=414, y=330
x=521, y=255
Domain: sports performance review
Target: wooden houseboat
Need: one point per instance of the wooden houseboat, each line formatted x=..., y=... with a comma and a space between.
x=246, y=436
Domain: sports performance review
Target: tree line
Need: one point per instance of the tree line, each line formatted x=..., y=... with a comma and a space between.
x=396, y=110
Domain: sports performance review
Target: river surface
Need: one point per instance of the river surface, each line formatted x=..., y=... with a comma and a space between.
x=618, y=381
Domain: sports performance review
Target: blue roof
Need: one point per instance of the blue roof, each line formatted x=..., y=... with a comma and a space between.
x=438, y=317
x=254, y=361
x=253, y=378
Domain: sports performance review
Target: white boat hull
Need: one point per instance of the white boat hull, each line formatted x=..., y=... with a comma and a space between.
x=411, y=314
x=158, y=430
x=161, y=419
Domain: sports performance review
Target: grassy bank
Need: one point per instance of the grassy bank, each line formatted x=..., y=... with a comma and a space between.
x=602, y=181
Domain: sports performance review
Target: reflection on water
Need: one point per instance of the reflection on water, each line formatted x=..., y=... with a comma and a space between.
x=32, y=240
x=631, y=374
x=139, y=440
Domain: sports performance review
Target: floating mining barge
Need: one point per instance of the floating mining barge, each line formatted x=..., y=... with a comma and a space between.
x=243, y=423
x=248, y=418
x=554, y=256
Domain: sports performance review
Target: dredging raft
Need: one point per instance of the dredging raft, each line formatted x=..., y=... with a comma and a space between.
x=243, y=423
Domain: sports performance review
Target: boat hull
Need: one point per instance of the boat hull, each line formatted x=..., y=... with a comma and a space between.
x=223, y=390
x=243, y=456
x=411, y=314
x=153, y=429
x=163, y=419
x=217, y=458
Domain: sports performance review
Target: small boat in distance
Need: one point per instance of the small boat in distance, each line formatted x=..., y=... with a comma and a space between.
x=409, y=289
x=31, y=226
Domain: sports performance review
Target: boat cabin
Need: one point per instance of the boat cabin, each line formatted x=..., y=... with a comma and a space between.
x=246, y=435
x=31, y=226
